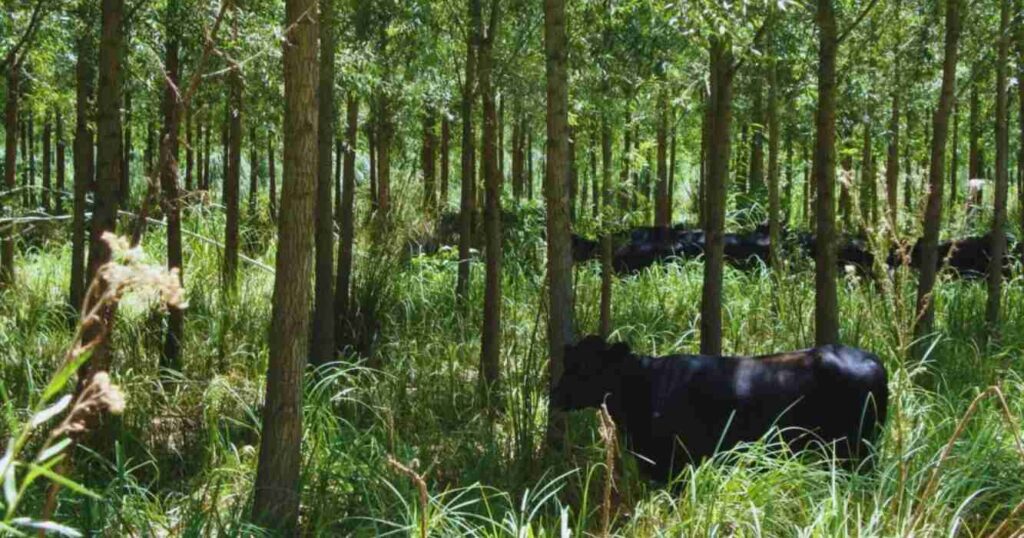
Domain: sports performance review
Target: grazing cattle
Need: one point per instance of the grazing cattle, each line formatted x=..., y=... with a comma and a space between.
x=681, y=409
x=969, y=258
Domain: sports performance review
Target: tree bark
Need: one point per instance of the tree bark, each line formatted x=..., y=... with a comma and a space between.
x=662, y=214
x=171, y=355
x=954, y=160
x=974, y=160
x=272, y=173
x=232, y=175
x=385, y=134
x=774, y=210
x=61, y=166
x=556, y=177
x=517, y=156
x=490, y=341
x=446, y=137
x=347, y=224
x=428, y=160
x=322, y=345
x=468, y=196
x=892, y=163
x=126, y=166
x=719, y=146
x=755, y=178
x=998, y=236
x=85, y=85
x=868, y=194
x=206, y=127
x=276, y=500
x=190, y=145
x=254, y=167
x=10, y=165
x=936, y=178
x=826, y=303
x=606, y=238
x=47, y=154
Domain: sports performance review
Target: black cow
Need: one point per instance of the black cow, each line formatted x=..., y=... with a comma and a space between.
x=680, y=409
x=970, y=256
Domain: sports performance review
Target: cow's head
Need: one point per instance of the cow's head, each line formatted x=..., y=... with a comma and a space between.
x=593, y=370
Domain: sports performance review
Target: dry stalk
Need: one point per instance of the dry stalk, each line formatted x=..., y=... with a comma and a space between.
x=610, y=441
x=421, y=486
x=929, y=488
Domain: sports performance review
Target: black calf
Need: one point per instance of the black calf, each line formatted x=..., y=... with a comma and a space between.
x=682, y=408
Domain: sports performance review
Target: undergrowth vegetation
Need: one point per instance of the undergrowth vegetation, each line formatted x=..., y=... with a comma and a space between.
x=186, y=452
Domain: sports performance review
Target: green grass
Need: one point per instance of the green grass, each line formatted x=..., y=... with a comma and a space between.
x=186, y=457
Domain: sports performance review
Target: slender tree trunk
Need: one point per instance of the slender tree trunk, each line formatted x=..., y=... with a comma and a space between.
x=428, y=158
x=1019, y=39
x=347, y=224
x=556, y=177
x=371, y=136
x=517, y=157
x=998, y=248
x=808, y=191
x=529, y=164
x=626, y=188
x=85, y=85
x=31, y=140
x=868, y=195
x=10, y=165
x=936, y=178
x=974, y=163
x=171, y=356
x=606, y=238
x=954, y=160
x=47, y=145
x=892, y=163
x=573, y=176
x=446, y=137
x=490, y=342
x=108, y=174
x=468, y=196
x=276, y=500
x=706, y=120
x=322, y=345
x=61, y=165
x=272, y=173
x=719, y=142
x=908, y=176
x=826, y=304
x=775, y=215
x=662, y=216
x=672, y=149
x=339, y=156
x=126, y=166
x=254, y=167
x=232, y=175
x=190, y=141
x=384, y=139
x=755, y=181
x=206, y=127
x=845, y=199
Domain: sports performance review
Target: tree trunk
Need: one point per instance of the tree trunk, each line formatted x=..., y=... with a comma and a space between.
x=845, y=199
x=171, y=355
x=626, y=188
x=826, y=303
x=467, y=203
x=428, y=160
x=339, y=156
x=787, y=199
x=347, y=224
x=254, y=167
x=755, y=181
x=662, y=216
x=61, y=165
x=517, y=157
x=868, y=195
x=108, y=174
x=272, y=173
x=672, y=149
x=908, y=175
x=974, y=163
x=954, y=160
x=936, y=178
x=126, y=166
x=322, y=345
x=384, y=139
x=190, y=141
x=704, y=161
x=556, y=177
x=774, y=212
x=31, y=140
x=10, y=165
x=573, y=176
x=995, y=268
x=446, y=137
x=529, y=163
x=206, y=127
x=47, y=145
x=606, y=238
x=85, y=85
x=490, y=342
x=371, y=136
x=276, y=501
x=719, y=142
x=232, y=175
x=892, y=163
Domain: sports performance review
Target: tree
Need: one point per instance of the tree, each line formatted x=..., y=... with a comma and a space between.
x=556, y=179
x=936, y=179
x=348, y=186
x=10, y=165
x=490, y=342
x=428, y=159
x=662, y=201
x=276, y=500
x=233, y=174
x=85, y=76
x=892, y=163
x=322, y=345
x=61, y=165
x=171, y=355
x=998, y=234
x=467, y=204
x=826, y=302
x=719, y=147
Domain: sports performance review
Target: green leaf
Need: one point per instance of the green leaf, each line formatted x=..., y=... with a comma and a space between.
x=47, y=526
x=50, y=412
x=61, y=377
x=53, y=450
x=63, y=481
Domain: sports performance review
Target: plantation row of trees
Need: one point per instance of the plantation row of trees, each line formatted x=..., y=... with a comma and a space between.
x=652, y=112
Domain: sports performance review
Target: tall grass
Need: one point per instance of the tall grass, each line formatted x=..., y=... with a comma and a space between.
x=187, y=453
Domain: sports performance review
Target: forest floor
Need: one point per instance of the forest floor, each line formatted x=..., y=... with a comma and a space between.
x=187, y=450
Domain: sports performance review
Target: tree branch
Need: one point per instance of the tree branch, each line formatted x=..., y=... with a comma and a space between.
x=857, y=21
x=26, y=38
